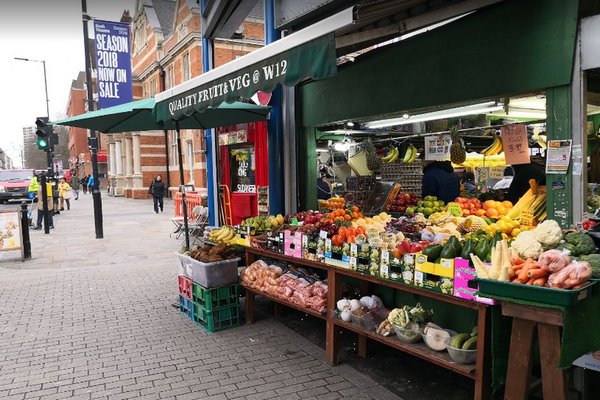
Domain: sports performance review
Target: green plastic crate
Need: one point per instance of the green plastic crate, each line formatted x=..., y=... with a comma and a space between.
x=211, y=299
x=217, y=319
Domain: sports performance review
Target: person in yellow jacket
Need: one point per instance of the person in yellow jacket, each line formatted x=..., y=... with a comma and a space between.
x=49, y=202
x=64, y=194
x=34, y=185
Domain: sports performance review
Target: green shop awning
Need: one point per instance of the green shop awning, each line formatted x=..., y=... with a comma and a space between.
x=261, y=70
x=139, y=116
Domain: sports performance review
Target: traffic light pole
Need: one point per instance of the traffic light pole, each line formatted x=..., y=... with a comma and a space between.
x=44, y=201
x=96, y=195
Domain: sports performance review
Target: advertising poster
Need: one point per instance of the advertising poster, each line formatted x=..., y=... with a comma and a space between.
x=113, y=63
x=558, y=156
x=437, y=148
x=10, y=229
x=515, y=143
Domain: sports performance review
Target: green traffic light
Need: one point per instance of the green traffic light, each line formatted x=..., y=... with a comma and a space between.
x=42, y=144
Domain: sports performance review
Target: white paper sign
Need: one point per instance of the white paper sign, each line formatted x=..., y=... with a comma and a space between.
x=437, y=147
x=558, y=156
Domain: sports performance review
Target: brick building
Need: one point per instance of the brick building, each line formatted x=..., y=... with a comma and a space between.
x=166, y=51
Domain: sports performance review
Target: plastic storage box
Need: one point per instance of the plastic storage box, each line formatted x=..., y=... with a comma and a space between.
x=210, y=275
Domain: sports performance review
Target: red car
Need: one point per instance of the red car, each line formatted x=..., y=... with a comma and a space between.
x=14, y=184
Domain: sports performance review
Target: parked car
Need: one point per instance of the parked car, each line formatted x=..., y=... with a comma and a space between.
x=14, y=184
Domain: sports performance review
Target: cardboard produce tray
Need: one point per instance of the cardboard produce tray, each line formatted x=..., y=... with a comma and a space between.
x=535, y=294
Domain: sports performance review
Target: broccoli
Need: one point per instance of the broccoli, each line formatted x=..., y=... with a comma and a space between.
x=583, y=244
x=594, y=261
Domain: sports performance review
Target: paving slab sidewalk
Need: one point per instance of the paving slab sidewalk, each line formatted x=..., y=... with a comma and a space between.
x=90, y=318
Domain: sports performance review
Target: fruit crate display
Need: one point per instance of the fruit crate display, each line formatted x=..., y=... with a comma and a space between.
x=217, y=319
x=186, y=307
x=410, y=176
x=214, y=298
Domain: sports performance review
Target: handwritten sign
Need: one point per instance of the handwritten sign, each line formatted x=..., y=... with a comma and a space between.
x=242, y=170
x=515, y=143
x=437, y=147
x=558, y=156
x=10, y=231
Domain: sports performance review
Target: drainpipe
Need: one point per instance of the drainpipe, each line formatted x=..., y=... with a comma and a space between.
x=275, y=126
x=211, y=144
x=162, y=74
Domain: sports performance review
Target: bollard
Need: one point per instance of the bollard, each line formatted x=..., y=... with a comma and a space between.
x=25, y=228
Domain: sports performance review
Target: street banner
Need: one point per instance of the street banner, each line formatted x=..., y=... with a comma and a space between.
x=515, y=144
x=113, y=63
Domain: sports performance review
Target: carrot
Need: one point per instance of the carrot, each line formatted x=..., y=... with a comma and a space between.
x=517, y=267
x=540, y=281
x=530, y=281
x=517, y=280
x=537, y=273
x=517, y=260
x=523, y=273
x=511, y=273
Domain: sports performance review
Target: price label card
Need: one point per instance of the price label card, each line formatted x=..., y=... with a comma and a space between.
x=526, y=218
x=353, y=262
x=353, y=250
x=323, y=234
x=447, y=263
x=385, y=256
x=328, y=245
x=418, y=277
x=515, y=144
x=384, y=271
x=409, y=259
x=305, y=240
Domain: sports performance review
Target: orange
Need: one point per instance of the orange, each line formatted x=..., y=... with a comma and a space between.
x=497, y=204
x=489, y=204
x=507, y=204
x=347, y=216
x=502, y=210
x=351, y=239
x=480, y=212
x=491, y=212
x=342, y=231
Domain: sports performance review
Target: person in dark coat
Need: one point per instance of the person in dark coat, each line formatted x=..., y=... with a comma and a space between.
x=439, y=180
x=157, y=190
x=520, y=182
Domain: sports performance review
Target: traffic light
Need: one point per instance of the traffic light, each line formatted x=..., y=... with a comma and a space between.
x=43, y=132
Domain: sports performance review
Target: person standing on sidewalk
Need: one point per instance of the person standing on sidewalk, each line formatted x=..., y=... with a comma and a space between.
x=157, y=190
x=75, y=185
x=49, y=202
x=90, y=183
x=64, y=193
x=84, y=182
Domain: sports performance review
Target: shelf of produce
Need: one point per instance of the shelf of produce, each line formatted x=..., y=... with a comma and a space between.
x=417, y=349
x=408, y=288
x=288, y=259
x=250, y=292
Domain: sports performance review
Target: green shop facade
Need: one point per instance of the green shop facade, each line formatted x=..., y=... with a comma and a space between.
x=507, y=49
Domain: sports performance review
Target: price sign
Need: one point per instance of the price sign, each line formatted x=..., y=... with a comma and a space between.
x=515, y=144
x=323, y=234
x=385, y=257
x=353, y=262
x=526, y=218
x=437, y=147
x=384, y=271
x=559, y=156
x=353, y=250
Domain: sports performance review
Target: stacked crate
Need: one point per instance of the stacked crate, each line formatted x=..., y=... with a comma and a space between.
x=216, y=309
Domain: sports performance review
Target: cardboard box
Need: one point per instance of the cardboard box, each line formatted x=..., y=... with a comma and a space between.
x=275, y=242
x=402, y=269
x=465, y=285
x=292, y=244
x=435, y=277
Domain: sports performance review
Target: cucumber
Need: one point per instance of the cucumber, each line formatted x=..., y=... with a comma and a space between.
x=458, y=340
x=470, y=344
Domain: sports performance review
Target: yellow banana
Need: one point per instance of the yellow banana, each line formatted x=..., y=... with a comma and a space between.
x=388, y=156
x=394, y=156
x=408, y=154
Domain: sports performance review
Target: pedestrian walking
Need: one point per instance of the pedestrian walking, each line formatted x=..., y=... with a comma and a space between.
x=84, y=182
x=90, y=183
x=64, y=194
x=49, y=202
x=157, y=190
x=75, y=185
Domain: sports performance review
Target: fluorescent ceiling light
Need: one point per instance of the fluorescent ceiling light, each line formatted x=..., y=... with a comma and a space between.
x=474, y=109
x=322, y=151
x=341, y=146
x=522, y=113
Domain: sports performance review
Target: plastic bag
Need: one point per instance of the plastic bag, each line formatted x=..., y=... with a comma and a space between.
x=570, y=276
x=554, y=260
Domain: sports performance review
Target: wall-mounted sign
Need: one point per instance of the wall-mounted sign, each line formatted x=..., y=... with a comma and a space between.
x=515, y=144
x=558, y=156
x=437, y=147
x=113, y=63
x=227, y=138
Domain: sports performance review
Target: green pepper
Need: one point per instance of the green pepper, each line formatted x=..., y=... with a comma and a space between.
x=449, y=250
x=482, y=249
x=467, y=249
x=433, y=251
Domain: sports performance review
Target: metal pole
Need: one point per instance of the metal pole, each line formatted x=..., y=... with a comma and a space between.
x=182, y=187
x=45, y=203
x=168, y=161
x=94, y=150
x=25, y=227
x=46, y=88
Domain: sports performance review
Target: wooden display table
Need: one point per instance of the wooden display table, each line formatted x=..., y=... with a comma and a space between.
x=548, y=323
x=479, y=372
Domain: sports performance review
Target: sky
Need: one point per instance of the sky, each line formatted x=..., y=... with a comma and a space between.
x=49, y=30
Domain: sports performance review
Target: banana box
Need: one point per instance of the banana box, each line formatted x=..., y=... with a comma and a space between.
x=435, y=277
x=465, y=285
x=292, y=244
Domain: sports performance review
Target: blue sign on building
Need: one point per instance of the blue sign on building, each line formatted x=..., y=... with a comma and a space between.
x=113, y=63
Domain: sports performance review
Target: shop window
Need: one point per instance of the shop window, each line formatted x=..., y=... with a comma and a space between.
x=174, y=156
x=169, y=78
x=140, y=35
x=242, y=162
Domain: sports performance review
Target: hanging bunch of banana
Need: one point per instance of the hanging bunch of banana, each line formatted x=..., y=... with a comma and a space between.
x=494, y=148
x=392, y=155
x=411, y=154
x=540, y=139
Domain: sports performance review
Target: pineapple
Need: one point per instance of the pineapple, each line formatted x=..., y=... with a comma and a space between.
x=373, y=162
x=458, y=155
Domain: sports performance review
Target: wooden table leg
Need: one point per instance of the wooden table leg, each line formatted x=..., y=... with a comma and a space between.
x=249, y=307
x=554, y=380
x=362, y=346
x=519, y=360
x=276, y=310
x=332, y=335
x=482, y=366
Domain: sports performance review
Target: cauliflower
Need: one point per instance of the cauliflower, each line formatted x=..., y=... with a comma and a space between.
x=548, y=233
x=526, y=245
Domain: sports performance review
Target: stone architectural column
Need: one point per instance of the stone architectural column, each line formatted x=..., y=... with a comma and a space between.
x=112, y=165
x=138, y=179
x=128, y=158
x=120, y=181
